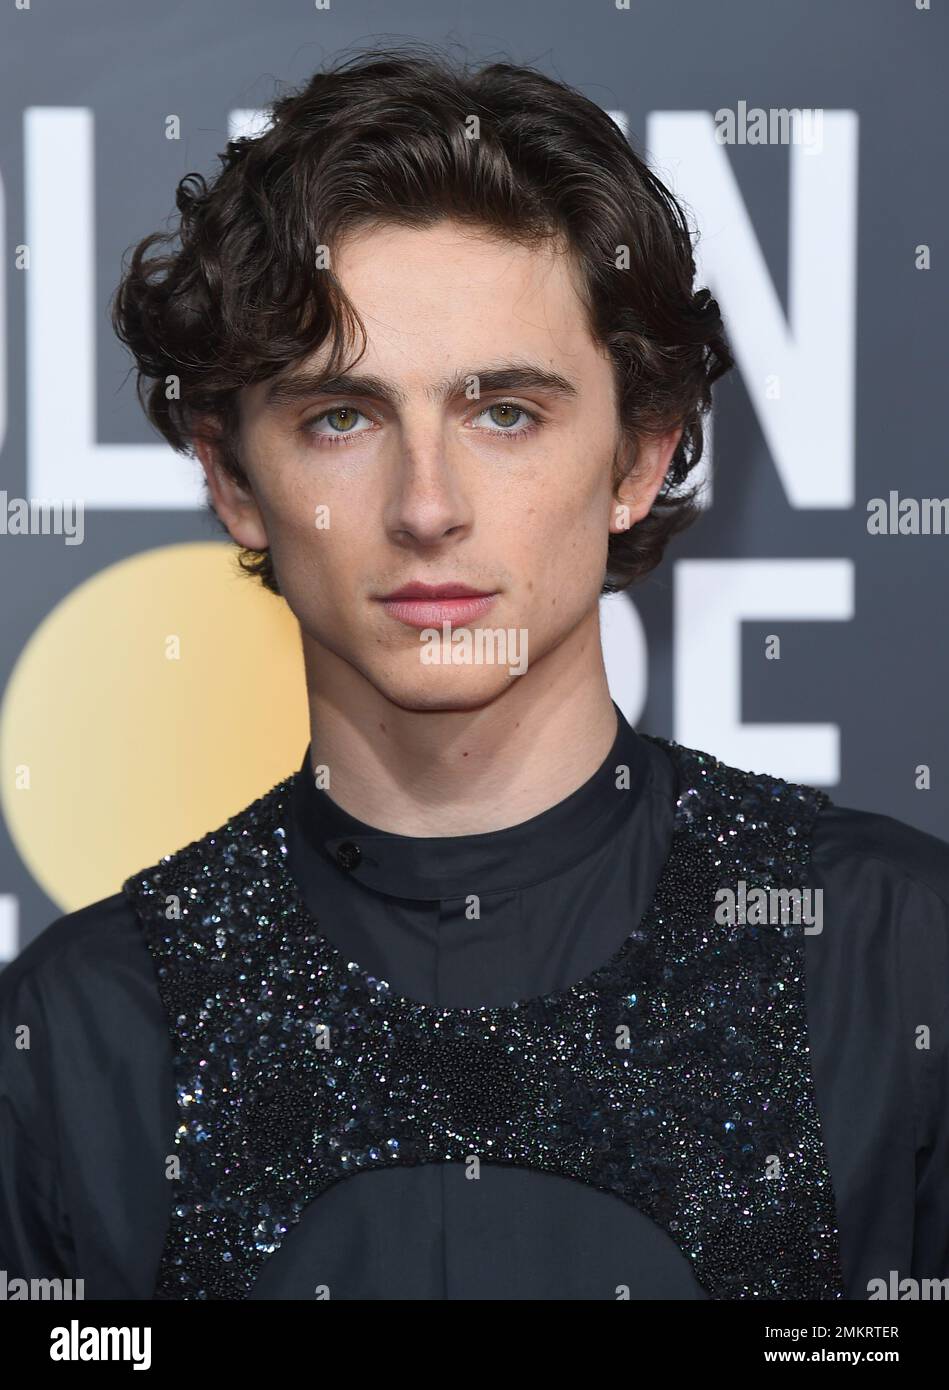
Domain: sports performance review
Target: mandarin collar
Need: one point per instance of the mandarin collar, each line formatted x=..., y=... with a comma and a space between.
x=443, y=866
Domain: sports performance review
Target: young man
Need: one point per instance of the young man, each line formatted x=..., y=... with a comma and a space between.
x=461, y=1010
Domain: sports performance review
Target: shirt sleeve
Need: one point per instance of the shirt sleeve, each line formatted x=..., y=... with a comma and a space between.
x=35, y=1238
x=878, y=992
x=923, y=953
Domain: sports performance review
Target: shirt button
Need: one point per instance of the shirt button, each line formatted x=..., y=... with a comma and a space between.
x=348, y=855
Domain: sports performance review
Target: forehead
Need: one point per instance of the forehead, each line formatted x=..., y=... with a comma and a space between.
x=444, y=300
x=460, y=284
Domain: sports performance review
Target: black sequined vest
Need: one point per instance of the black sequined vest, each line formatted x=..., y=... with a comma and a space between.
x=676, y=1076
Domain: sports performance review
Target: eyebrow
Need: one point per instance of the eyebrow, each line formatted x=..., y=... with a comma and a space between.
x=507, y=376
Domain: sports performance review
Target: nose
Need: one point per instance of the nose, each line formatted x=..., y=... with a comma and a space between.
x=428, y=503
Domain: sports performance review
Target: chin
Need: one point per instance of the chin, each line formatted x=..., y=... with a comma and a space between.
x=442, y=688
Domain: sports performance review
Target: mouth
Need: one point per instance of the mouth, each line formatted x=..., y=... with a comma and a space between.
x=430, y=605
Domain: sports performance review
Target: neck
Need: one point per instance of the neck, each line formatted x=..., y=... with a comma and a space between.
x=461, y=771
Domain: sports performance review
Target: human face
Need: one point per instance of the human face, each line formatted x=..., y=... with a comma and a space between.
x=405, y=475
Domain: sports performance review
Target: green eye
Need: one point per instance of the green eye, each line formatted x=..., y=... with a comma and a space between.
x=507, y=411
x=343, y=415
x=341, y=421
x=505, y=415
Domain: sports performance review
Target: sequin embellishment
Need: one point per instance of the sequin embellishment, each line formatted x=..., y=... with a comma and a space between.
x=294, y=1068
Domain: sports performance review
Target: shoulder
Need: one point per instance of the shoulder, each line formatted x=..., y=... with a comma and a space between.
x=884, y=943
x=79, y=952
x=861, y=848
x=187, y=898
x=878, y=971
x=78, y=1001
x=865, y=850
x=878, y=874
x=235, y=842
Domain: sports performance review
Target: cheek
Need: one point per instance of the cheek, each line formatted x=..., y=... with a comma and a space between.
x=316, y=550
x=318, y=558
x=302, y=517
x=569, y=536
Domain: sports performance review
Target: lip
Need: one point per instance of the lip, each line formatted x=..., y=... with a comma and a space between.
x=426, y=610
x=418, y=589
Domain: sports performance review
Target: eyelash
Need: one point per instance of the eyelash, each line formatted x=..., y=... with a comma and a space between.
x=341, y=437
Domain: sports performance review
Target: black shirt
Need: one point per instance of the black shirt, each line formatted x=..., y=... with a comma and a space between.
x=88, y=1112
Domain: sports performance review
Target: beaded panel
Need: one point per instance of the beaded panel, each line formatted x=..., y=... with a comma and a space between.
x=676, y=1076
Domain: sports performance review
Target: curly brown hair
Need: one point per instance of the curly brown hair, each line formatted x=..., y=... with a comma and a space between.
x=383, y=137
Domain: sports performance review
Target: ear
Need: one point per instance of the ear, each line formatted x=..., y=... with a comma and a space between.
x=635, y=495
x=235, y=505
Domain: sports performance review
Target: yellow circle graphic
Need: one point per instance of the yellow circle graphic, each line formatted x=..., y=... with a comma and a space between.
x=158, y=698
